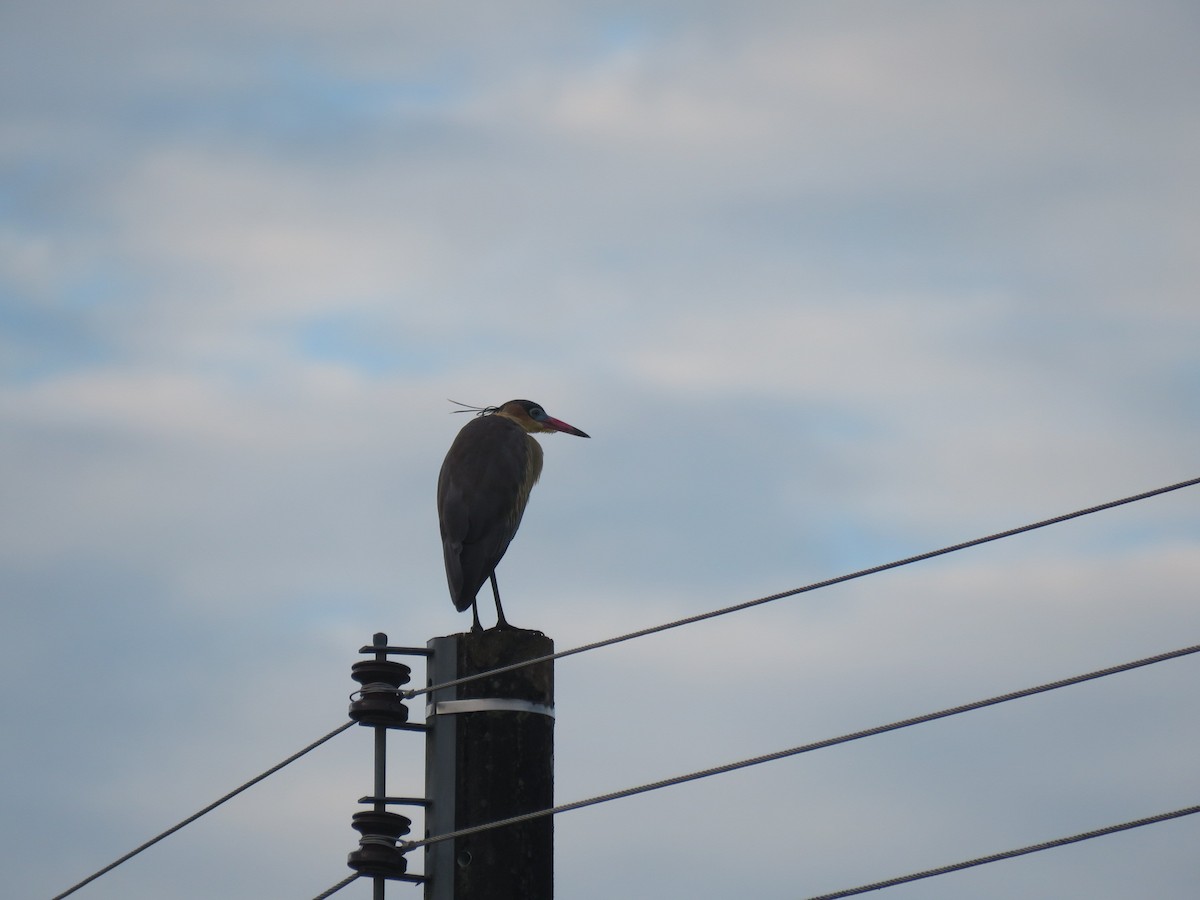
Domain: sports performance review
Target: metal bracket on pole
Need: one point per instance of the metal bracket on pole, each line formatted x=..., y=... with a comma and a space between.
x=487, y=704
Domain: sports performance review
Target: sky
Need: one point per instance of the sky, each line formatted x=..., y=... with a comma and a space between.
x=828, y=285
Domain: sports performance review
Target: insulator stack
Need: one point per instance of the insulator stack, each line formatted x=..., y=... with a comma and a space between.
x=377, y=853
x=379, y=704
x=379, y=701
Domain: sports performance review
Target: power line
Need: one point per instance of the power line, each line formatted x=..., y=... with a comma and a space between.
x=1009, y=854
x=688, y=620
x=805, y=748
x=407, y=846
x=816, y=585
x=337, y=887
x=192, y=818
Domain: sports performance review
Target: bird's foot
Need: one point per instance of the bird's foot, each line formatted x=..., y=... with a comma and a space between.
x=507, y=626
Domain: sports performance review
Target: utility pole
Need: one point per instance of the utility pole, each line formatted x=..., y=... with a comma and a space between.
x=490, y=755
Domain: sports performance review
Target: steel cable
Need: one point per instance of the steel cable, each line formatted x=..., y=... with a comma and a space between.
x=805, y=748
x=688, y=620
x=1009, y=854
x=192, y=818
x=337, y=887
x=816, y=585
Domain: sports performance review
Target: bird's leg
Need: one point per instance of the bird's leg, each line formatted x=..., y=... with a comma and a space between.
x=501, y=622
x=475, y=612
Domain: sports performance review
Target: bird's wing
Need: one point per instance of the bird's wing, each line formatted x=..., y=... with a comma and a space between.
x=482, y=494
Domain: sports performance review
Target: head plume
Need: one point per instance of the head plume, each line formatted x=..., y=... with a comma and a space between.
x=478, y=410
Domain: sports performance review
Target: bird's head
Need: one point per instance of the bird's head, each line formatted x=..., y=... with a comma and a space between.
x=533, y=418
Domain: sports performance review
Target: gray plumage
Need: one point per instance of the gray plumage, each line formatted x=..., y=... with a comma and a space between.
x=483, y=489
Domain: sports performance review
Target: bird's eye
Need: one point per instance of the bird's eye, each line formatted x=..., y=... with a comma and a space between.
x=537, y=413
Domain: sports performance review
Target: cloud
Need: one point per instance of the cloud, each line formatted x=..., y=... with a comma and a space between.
x=828, y=287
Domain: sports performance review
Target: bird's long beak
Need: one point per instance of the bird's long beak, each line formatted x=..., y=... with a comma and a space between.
x=560, y=425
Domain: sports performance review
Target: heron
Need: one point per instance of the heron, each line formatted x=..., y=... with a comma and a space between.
x=482, y=491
